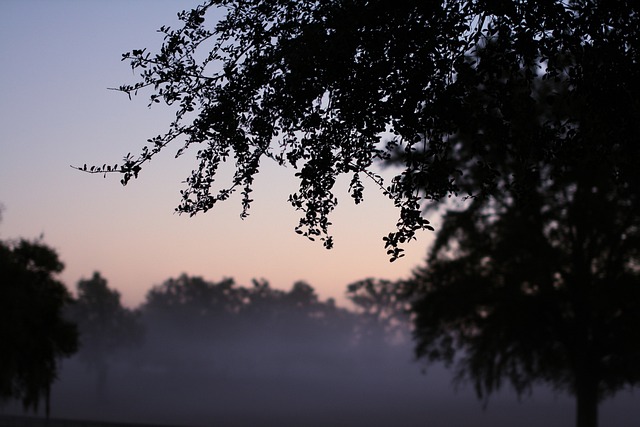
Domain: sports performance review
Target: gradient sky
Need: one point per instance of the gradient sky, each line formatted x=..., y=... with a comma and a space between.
x=58, y=59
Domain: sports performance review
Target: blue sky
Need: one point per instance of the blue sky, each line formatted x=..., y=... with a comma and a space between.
x=59, y=59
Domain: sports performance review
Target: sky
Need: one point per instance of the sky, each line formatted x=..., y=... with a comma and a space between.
x=59, y=59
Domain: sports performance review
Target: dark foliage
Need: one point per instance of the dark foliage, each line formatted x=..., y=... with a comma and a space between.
x=536, y=277
x=33, y=331
x=317, y=84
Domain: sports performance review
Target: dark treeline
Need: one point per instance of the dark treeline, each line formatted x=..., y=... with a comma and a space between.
x=198, y=352
x=234, y=354
x=222, y=313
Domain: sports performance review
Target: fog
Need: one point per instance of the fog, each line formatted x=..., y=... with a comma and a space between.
x=265, y=379
x=207, y=354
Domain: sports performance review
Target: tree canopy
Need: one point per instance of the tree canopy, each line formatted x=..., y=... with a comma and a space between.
x=33, y=331
x=384, y=309
x=105, y=326
x=224, y=309
x=537, y=288
x=536, y=277
x=337, y=87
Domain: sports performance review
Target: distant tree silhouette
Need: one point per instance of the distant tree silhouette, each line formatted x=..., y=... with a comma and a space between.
x=232, y=321
x=537, y=276
x=34, y=335
x=104, y=324
x=384, y=310
x=193, y=304
x=195, y=294
x=205, y=306
x=302, y=295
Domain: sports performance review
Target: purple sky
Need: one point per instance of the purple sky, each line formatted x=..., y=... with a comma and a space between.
x=58, y=59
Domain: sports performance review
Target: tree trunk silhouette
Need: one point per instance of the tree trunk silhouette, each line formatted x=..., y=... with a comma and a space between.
x=586, y=400
x=47, y=404
x=587, y=380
